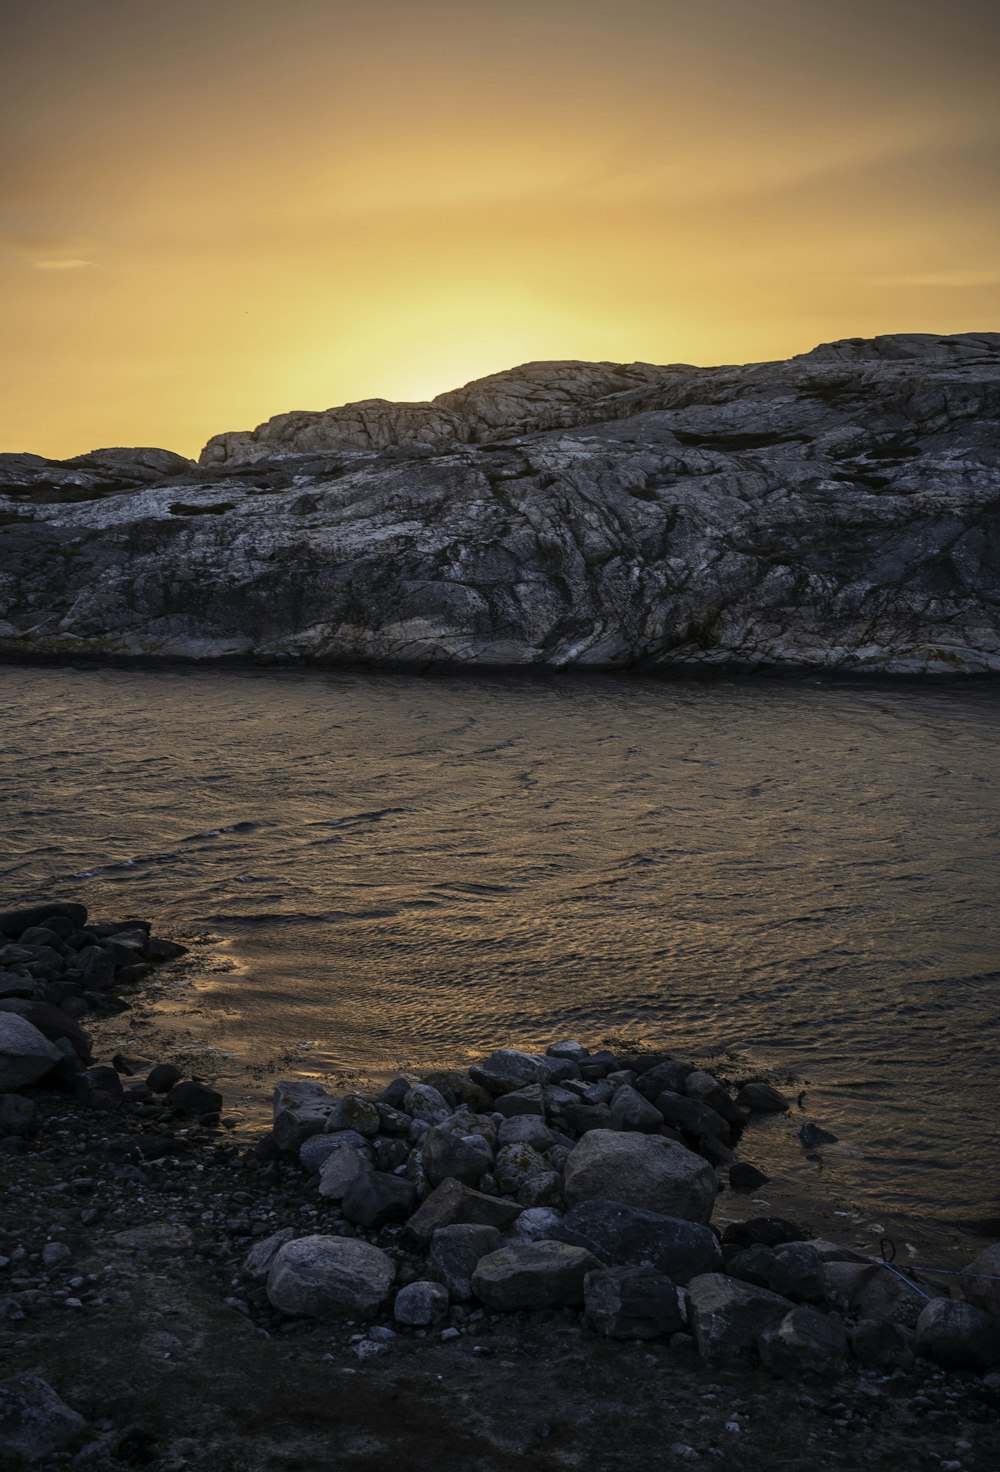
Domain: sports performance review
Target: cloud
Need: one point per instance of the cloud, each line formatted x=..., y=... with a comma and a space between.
x=73, y=264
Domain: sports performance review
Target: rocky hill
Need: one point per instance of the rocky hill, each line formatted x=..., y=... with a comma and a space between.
x=837, y=511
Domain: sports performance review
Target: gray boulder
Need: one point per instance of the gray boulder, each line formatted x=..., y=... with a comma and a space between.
x=374, y=1199
x=317, y=1149
x=630, y=1111
x=25, y=1055
x=797, y=1272
x=957, y=1335
x=705, y=1088
x=640, y=1170
x=621, y=1235
x=691, y=1116
x=446, y=1152
x=453, y=1202
x=16, y=1114
x=421, y=1305
x=870, y=1291
x=761, y=1098
x=455, y=1253
x=352, y=1112
x=341, y=1170
x=536, y=1222
x=530, y=1275
x=882, y=1344
x=526, y=1129
x=632, y=1303
x=34, y=1422
x=330, y=1277
x=726, y=1316
x=804, y=1340
x=423, y=1101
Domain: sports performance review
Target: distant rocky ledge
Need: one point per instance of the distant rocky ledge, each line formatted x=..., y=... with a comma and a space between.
x=838, y=511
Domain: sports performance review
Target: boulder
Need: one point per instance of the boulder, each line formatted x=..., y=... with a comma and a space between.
x=25, y=1055
x=531, y=1275
x=34, y=1422
x=629, y=1236
x=797, y=1273
x=871, y=1291
x=520, y=1101
x=516, y=1164
x=446, y=1152
x=669, y=1075
x=421, y=1101
x=882, y=1344
x=768, y=1231
x=453, y=1202
x=574, y=1051
x=341, y=1170
x=330, y=1277
x=760, y=1098
x=727, y=1316
x=455, y=1253
x=421, y=1305
x=526, y=1129
x=13, y=923
x=632, y=1303
x=980, y=1281
x=317, y=1149
x=192, y=1097
x=630, y=1111
x=293, y=1126
x=706, y=1089
x=162, y=1078
x=746, y=1177
x=957, y=1335
x=537, y=1222
x=804, y=1340
x=352, y=1112
x=640, y=1170
x=693, y=1118
x=373, y=1199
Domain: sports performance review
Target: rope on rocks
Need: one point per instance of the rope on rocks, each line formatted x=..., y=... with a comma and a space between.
x=887, y=1247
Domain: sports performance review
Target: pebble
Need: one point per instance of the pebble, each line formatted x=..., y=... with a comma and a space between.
x=448, y=1334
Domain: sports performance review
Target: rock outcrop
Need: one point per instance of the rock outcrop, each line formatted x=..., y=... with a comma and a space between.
x=836, y=511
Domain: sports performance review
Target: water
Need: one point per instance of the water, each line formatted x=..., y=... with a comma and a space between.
x=387, y=870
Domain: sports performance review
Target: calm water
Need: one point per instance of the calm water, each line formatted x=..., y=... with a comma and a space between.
x=387, y=870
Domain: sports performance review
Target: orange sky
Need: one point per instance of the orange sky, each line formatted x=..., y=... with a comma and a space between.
x=212, y=211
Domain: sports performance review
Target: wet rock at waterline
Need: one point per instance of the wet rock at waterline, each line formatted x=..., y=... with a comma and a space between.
x=828, y=512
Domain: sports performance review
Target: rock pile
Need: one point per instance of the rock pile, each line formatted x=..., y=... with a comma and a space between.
x=585, y=1181
x=56, y=968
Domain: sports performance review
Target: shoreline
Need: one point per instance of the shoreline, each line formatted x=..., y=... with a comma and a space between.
x=142, y=1296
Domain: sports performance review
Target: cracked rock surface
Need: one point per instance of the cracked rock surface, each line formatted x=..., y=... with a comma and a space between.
x=836, y=511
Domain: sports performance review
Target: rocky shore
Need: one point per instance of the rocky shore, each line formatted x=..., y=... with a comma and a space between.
x=507, y=1265
x=833, y=512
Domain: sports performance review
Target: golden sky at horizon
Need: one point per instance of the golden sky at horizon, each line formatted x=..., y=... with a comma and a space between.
x=214, y=212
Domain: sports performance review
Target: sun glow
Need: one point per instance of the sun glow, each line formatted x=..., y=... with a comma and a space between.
x=389, y=200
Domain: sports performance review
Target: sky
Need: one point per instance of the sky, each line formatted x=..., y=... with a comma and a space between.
x=212, y=211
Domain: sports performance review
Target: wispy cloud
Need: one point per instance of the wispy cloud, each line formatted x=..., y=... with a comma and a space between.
x=72, y=264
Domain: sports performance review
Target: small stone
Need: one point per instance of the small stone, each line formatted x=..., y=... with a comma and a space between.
x=194, y=1098
x=746, y=1177
x=448, y=1335
x=811, y=1134
x=54, y=1254
x=163, y=1077
x=154, y=1237
x=421, y=1305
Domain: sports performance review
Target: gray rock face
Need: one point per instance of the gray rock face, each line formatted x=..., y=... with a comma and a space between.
x=836, y=511
x=329, y=1277
x=453, y=1202
x=25, y=1055
x=533, y=1275
x=34, y=1422
x=621, y=1236
x=640, y=1170
x=727, y=1316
